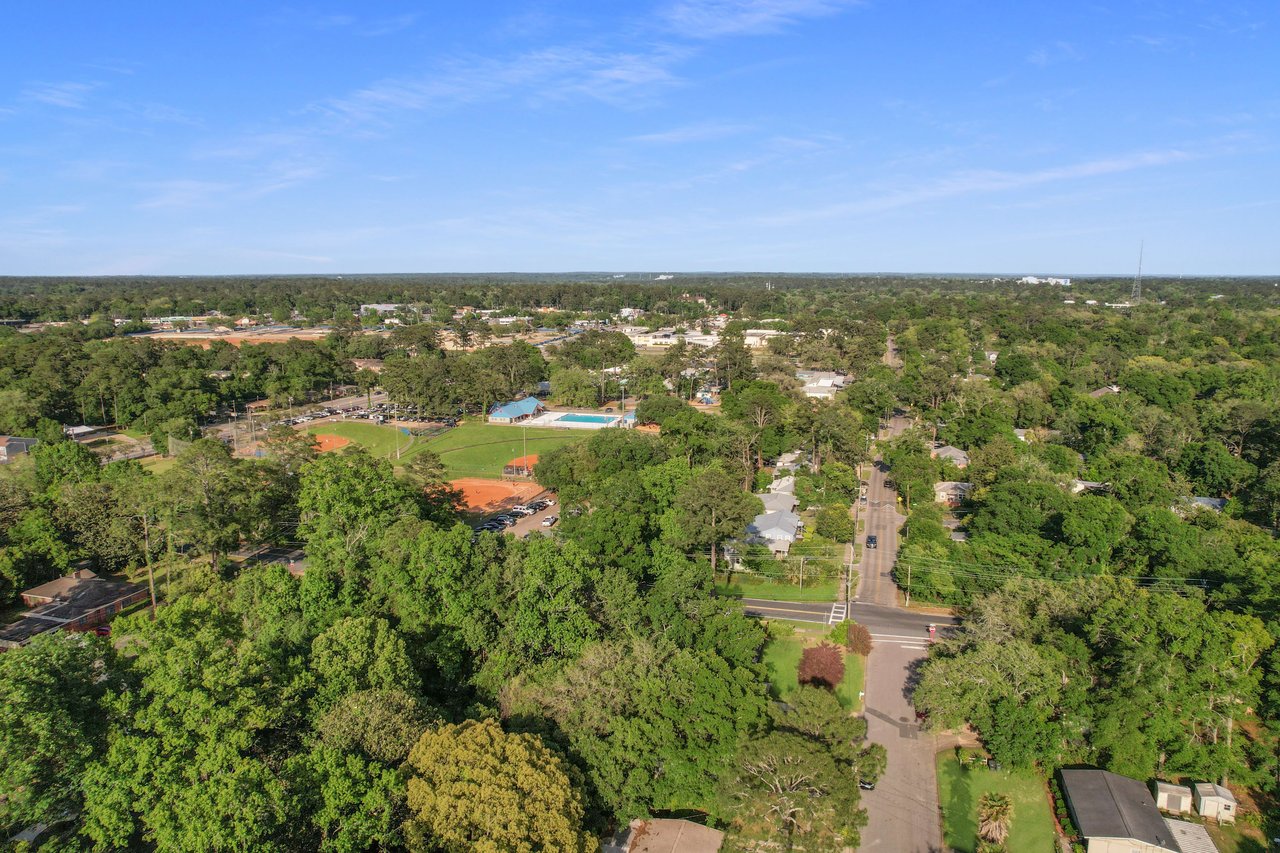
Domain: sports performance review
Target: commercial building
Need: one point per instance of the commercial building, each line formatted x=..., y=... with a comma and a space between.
x=77, y=602
x=12, y=446
x=516, y=411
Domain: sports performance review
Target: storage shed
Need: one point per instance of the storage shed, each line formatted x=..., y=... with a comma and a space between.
x=1173, y=798
x=1216, y=802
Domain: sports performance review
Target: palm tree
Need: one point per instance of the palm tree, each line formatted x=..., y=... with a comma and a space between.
x=995, y=813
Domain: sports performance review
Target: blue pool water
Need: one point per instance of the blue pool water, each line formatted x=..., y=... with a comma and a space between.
x=587, y=419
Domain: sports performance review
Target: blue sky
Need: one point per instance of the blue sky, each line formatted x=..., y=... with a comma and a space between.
x=773, y=135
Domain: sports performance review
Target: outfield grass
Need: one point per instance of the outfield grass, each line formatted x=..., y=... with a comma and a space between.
x=471, y=449
x=378, y=440
x=747, y=586
x=782, y=663
x=476, y=449
x=960, y=788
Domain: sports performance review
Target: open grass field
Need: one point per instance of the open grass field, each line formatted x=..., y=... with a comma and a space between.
x=782, y=662
x=378, y=440
x=961, y=786
x=471, y=449
x=475, y=449
x=747, y=586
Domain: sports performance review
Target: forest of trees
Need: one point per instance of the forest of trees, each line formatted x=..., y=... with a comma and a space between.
x=594, y=676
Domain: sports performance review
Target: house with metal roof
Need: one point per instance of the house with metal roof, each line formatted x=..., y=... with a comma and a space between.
x=1116, y=814
x=516, y=411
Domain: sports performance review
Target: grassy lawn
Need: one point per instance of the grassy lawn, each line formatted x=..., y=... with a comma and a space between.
x=782, y=660
x=158, y=464
x=748, y=586
x=476, y=449
x=1237, y=839
x=960, y=788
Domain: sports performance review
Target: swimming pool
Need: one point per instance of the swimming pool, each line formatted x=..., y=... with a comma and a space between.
x=575, y=418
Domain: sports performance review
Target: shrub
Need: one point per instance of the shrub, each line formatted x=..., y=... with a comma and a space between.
x=858, y=640
x=822, y=666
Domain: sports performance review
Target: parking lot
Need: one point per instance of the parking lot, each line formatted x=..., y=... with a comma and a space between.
x=531, y=524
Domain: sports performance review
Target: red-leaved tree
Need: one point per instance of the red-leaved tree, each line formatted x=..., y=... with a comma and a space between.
x=822, y=666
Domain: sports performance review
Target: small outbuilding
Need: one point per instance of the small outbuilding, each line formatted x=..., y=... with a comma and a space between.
x=1173, y=798
x=1215, y=801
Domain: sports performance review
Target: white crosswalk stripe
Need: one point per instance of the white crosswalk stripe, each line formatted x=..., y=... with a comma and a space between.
x=839, y=612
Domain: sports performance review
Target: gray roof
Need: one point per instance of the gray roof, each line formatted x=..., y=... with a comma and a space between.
x=784, y=484
x=1215, y=504
x=1106, y=805
x=777, y=501
x=955, y=454
x=775, y=525
x=1191, y=837
x=1209, y=789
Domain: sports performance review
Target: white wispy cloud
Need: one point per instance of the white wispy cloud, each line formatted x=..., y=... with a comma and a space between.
x=699, y=132
x=1051, y=54
x=717, y=18
x=67, y=94
x=982, y=181
x=618, y=77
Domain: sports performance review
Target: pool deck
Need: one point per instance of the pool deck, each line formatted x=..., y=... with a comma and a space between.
x=557, y=420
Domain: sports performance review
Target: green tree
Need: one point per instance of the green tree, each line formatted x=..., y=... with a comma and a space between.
x=711, y=508
x=360, y=653
x=477, y=788
x=834, y=522
x=51, y=725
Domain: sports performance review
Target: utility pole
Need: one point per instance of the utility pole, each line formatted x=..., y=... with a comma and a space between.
x=908, y=604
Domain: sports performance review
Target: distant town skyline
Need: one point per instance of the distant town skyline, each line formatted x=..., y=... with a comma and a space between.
x=678, y=135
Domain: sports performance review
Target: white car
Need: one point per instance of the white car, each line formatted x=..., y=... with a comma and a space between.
x=550, y=520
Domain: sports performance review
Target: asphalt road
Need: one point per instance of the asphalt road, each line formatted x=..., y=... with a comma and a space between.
x=903, y=809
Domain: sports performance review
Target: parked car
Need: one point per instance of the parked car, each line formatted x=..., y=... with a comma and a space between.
x=873, y=541
x=550, y=521
x=866, y=785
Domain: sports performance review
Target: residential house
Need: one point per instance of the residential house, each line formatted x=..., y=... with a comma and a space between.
x=1078, y=486
x=1115, y=814
x=777, y=530
x=952, y=454
x=1173, y=798
x=516, y=411
x=821, y=384
x=787, y=461
x=786, y=485
x=662, y=835
x=12, y=446
x=1213, y=504
x=1099, y=393
x=1215, y=801
x=778, y=501
x=951, y=493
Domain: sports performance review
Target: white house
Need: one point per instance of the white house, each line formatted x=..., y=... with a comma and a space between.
x=777, y=530
x=757, y=338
